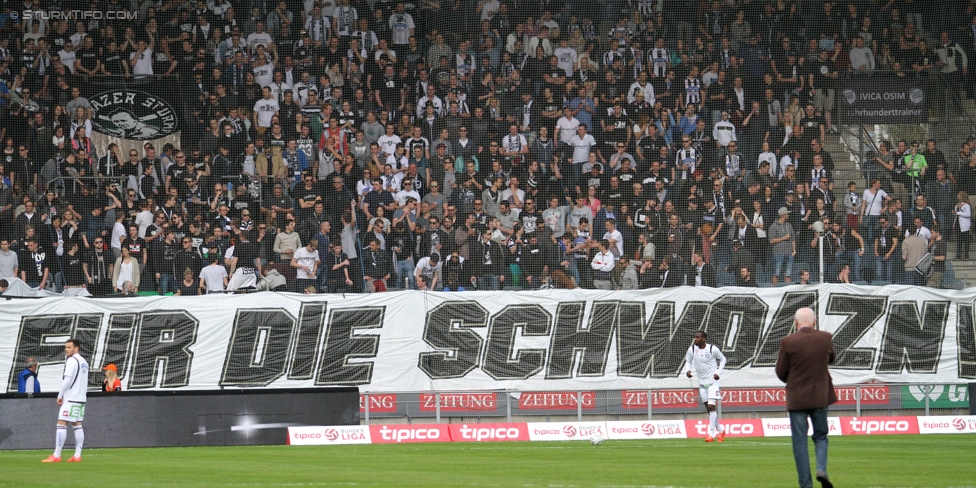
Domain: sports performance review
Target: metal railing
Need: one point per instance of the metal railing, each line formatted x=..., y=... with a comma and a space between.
x=951, y=110
x=645, y=403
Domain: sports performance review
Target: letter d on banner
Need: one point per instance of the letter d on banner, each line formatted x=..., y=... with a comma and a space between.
x=972, y=405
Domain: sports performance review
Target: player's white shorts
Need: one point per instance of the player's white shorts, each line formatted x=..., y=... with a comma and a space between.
x=710, y=392
x=242, y=278
x=71, y=412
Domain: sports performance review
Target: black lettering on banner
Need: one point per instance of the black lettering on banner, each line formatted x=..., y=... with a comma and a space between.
x=862, y=313
x=912, y=342
x=499, y=362
x=311, y=317
x=571, y=337
x=87, y=326
x=782, y=325
x=163, y=336
x=42, y=337
x=966, y=340
x=737, y=320
x=117, y=347
x=258, y=350
x=342, y=344
x=657, y=349
x=457, y=347
x=118, y=341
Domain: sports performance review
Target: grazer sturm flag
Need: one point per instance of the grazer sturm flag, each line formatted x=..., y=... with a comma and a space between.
x=131, y=113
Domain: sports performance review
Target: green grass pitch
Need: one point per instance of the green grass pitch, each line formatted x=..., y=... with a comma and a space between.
x=879, y=461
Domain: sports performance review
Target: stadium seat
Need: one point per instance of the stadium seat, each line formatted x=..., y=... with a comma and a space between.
x=880, y=283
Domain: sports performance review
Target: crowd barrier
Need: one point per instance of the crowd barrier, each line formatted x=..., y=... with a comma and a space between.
x=615, y=430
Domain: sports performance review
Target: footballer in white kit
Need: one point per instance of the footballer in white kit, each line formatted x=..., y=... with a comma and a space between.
x=708, y=363
x=72, y=398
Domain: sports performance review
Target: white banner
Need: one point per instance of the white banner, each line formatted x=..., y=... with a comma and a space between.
x=530, y=341
x=947, y=424
x=566, y=431
x=328, y=435
x=647, y=429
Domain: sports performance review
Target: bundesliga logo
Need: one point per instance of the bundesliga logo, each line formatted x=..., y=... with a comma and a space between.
x=331, y=434
x=959, y=424
x=569, y=431
x=647, y=429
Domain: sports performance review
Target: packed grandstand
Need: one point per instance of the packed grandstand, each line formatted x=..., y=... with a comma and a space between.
x=347, y=146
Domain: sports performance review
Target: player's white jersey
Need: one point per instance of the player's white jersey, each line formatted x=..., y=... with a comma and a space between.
x=74, y=383
x=706, y=362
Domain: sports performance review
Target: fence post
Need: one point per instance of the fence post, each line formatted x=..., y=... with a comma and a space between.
x=437, y=407
x=650, y=406
x=857, y=400
x=508, y=407
x=579, y=406
x=926, y=390
x=366, y=399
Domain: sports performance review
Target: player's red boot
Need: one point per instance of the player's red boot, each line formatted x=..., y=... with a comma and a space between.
x=720, y=437
x=52, y=459
x=709, y=439
x=74, y=459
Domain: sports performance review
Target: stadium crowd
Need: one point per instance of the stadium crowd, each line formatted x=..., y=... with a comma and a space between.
x=344, y=145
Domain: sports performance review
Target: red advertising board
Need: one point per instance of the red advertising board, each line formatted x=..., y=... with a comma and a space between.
x=556, y=400
x=459, y=402
x=879, y=425
x=637, y=399
x=733, y=428
x=402, y=433
x=502, y=432
x=745, y=397
x=870, y=395
x=378, y=402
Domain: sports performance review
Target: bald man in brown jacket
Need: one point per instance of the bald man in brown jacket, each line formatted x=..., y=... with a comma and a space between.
x=802, y=365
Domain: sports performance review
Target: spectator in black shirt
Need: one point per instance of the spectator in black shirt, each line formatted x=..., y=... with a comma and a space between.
x=187, y=257
x=98, y=268
x=488, y=263
x=337, y=268
x=72, y=267
x=377, y=267
x=378, y=198
x=163, y=262
x=33, y=264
